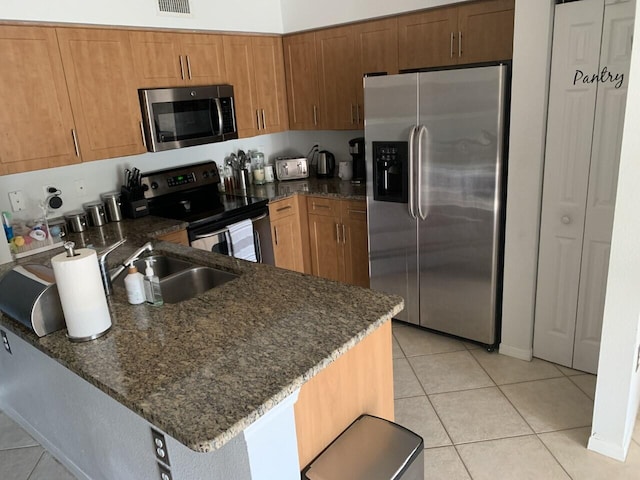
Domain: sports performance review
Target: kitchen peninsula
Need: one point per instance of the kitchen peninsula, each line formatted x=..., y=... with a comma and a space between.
x=217, y=375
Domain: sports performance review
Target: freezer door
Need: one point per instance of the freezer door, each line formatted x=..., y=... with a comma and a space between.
x=391, y=116
x=460, y=146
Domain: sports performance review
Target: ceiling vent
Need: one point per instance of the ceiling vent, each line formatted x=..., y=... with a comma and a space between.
x=174, y=6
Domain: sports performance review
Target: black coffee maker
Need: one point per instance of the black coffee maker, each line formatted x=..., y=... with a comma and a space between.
x=356, y=149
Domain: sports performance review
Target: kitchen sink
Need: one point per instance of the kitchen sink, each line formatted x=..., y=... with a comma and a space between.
x=181, y=280
x=186, y=284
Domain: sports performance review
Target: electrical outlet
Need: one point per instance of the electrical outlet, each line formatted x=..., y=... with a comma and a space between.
x=17, y=201
x=165, y=473
x=160, y=446
x=5, y=341
x=81, y=189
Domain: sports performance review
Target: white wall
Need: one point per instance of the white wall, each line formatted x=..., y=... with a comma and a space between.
x=618, y=388
x=244, y=15
x=304, y=14
x=531, y=60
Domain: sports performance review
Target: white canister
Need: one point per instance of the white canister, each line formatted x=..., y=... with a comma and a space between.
x=345, y=171
x=268, y=174
x=84, y=304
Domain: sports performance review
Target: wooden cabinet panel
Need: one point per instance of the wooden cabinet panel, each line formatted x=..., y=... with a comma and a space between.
x=203, y=59
x=268, y=65
x=179, y=237
x=157, y=58
x=427, y=39
x=326, y=252
x=338, y=239
x=35, y=119
x=101, y=81
x=361, y=381
x=174, y=59
x=376, y=51
x=255, y=68
x=486, y=31
x=290, y=234
x=302, y=84
x=336, y=69
x=239, y=65
x=356, y=242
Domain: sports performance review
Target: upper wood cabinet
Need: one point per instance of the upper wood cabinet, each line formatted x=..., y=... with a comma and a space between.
x=255, y=68
x=302, y=81
x=36, y=124
x=470, y=33
x=101, y=81
x=173, y=59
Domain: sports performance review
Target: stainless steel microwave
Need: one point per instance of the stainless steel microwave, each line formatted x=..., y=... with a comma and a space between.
x=185, y=116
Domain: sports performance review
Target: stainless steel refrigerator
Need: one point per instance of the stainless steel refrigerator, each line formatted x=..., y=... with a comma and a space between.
x=435, y=158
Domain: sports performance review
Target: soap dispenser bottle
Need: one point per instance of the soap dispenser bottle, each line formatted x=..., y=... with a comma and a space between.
x=152, y=291
x=133, y=283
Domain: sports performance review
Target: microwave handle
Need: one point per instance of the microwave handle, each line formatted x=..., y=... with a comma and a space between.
x=219, y=107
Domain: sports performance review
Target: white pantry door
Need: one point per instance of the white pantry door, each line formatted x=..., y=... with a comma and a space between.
x=584, y=129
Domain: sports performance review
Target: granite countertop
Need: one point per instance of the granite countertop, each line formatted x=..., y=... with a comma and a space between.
x=331, y=187
x=203, y=370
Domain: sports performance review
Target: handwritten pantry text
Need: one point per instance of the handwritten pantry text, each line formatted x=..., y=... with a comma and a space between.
x=604, y=76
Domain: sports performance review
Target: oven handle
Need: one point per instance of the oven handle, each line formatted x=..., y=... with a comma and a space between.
x=226, y=229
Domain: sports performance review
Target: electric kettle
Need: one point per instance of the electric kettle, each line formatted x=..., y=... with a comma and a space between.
x=326, y=164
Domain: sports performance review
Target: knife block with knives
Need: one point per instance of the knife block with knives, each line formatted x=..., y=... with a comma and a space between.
x=134, y=204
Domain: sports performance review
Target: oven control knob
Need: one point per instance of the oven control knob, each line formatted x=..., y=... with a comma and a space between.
x=205, y=174
x=154, y=185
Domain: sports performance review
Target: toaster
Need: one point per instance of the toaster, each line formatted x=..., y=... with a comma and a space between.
x=292, y=168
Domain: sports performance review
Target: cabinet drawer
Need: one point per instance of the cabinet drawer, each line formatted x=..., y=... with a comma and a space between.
x=353, y=210
x=323, y=206
x=283, y=208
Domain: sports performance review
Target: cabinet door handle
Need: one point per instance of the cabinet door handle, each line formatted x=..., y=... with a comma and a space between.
x=353, y=118
x=344, y=234
x=189, y=67
x=337, y=233
x=453, y=36
x=358, y=113
x=275, y=234
x=264, y=122
x=258, y=118
x=144, y=140
x=75, y=141
x=181, y=67
x=281, y=209
x=315, y=115
x=459, y=44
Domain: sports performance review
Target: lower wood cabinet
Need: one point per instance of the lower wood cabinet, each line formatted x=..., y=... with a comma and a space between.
x=338, y=239
x=179, y=237
x=289, y=233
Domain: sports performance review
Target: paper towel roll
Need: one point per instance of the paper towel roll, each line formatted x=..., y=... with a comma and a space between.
x=81, y=294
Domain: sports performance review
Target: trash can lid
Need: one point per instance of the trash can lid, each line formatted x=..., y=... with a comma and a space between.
x=370, y=449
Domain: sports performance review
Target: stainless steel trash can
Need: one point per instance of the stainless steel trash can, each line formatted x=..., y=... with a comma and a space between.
x=371, y=448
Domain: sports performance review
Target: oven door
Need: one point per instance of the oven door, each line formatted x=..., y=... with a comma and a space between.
x=217, y=238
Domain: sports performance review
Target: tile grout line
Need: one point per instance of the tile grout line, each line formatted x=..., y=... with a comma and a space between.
x=36, y=465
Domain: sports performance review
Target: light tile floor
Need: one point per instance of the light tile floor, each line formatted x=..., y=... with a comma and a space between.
x=488, y=416
x=482, y=416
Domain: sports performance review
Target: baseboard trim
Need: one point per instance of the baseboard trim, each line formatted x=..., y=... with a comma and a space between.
x=521, y=353
x=608, y=449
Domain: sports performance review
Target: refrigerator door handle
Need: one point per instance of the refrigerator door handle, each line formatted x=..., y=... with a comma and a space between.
x=421, y=130
x=412, y=210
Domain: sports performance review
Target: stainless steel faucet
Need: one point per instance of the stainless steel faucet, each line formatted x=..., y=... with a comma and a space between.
x=147, y=247
x=102, y=262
